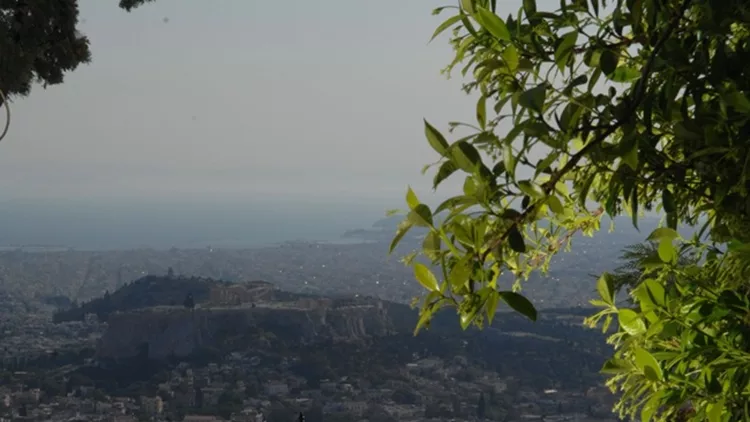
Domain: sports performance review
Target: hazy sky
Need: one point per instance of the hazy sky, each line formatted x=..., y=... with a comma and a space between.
x=239, y=97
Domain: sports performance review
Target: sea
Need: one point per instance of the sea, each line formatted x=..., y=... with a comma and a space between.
x=97, y=225
x=186, y=224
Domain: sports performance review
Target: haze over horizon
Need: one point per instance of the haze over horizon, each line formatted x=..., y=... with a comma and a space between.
x=194, y=123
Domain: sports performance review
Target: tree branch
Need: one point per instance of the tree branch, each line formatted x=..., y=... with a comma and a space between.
x=638, y=96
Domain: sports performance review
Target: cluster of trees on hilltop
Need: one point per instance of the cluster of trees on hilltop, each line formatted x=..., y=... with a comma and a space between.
x=142, y=293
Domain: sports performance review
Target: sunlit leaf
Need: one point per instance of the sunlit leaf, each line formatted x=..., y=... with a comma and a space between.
x=663, y=233
x=615, y=366
x=435, y=138
x=667, y=251
x=510, y=56
x=445, y=25
x=623, y=74
x=648, y=364
x=715, y=411
x=468, y=6
x=555, y=205
x=652, y=405
x=426, y=278
x=605, y=287
x=403, y=228
x=509, y=158
x=492, y=23
x=465, y=156
x=565, y=49
x=631, y=322
x=482, y=111
x=411, y=199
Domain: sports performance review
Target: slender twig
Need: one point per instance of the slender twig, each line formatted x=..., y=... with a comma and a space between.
x=4, y=103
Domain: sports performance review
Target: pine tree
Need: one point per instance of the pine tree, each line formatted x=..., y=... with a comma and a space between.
x=481, y=407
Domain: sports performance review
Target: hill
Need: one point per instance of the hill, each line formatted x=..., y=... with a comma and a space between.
x=148, y=316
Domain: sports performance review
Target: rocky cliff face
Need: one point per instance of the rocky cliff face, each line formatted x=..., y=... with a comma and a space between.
x=162, y=332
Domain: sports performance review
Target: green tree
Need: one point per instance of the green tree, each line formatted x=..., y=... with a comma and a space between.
x=40, y=42
x=608, y=108
x=635, y=264
x=481, y=407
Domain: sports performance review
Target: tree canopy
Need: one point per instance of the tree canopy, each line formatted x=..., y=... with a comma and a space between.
x=40, y=42
x=601, y=108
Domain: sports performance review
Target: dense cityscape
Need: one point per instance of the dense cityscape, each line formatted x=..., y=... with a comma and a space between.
x=73, y=340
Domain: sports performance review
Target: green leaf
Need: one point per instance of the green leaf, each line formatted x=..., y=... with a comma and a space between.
x=529, y=189
x=623, y=74
x=615, y=366
x=565, y=49
x=426, y=278
x=468, y=6
x=534, y=98
x=461, y=272
x=652, y=405
x=605, y=287
x=403, y=228
x=445, y=170
x=667, y=252
x=738, y=101
x=445, y=25
x=460, y=201
x=608, y=61
x=510, y=56
x=420, y=216
x=519, y=304
x=584, y=193
x=648, y=364
x=431, y=242
x=411, y=199
x=544, y=164
x=681, y=130
x=667, y=200
x=663, y=233
x=465, y=156
x=515, y=239
x=492, y=23
x=529, y=7
x=555, y=205
x=509, y=158
x=714, y=411
x=491, y=306
x=655, y=291
x=436, y=140
x=631, y=157
x=631, y=322
x=482, y=111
